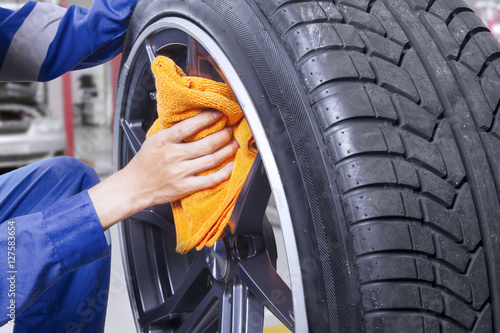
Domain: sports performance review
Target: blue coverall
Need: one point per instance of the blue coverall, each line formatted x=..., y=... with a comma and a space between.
x=54, y=262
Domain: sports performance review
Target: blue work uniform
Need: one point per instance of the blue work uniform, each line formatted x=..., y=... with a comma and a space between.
x=55, y=264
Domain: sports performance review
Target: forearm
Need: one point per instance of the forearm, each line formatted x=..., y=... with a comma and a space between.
x=117, y=198
x=165, y=169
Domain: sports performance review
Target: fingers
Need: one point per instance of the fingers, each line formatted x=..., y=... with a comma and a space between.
x=210, y=161
x=209, y=144
x=193, y=125
x=197, y=183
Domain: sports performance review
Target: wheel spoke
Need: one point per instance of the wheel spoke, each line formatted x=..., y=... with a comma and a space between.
x=134, y=133
x=251, y=204
x=268, y=287
x=152, y=217
x=247, y=312
x=193, y=68
x=185, y=298
x=225, y=312
x=206, y=312
x=149, y=50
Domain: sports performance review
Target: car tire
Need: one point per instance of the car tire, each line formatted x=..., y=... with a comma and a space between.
x=377, y=126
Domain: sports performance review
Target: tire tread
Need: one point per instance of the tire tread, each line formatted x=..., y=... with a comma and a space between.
x=396, y=159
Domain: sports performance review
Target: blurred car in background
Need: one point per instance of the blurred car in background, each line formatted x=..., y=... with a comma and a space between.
x=28, y=132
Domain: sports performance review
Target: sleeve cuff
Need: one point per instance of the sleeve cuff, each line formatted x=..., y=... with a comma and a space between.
x=75, y=231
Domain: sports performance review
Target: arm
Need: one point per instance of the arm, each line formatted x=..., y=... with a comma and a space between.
x=69, y=234
x=165, y=170
x=42, y=41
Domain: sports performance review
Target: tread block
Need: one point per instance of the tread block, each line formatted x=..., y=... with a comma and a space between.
x=362, y=20
x=310, y=37
x=394, y=268
x=353, y=140
x=446, y=144
x=424, y=152
x=476, y=100
x=411, y=203
x=360, y=4
x=495, y=128
x=442, y=35
x=462, y=24
x=331, y=11
x=451, y=253
x=375, y=204
x=269, y=6
x=378, y=237
x=414, y=118
x=412, y=323
x=437, y=188
x=465, y=212
x=443, y=9
x=457, y=284
x=350, y=101
x=422, y=239
x=452, y=328
x=424, y=269
x=381, y=47
x=487, y=43
x=457, y=310
x=391, y=26
x=484, y=321
x=477, y=274
x=419, y=4
x=296, y=13
x=395, y=79
x=382, y=203
x=328, y=66
x=428, y=97
x=390, y=297
x=405, y=173
x=490, y=83
x=431, y=299
x=470, y=56
x=350, y=37
x=381, y=102
x=342, y=102
x=377, y=171
x=445, y=220
x=362, y=66
x=402, y=296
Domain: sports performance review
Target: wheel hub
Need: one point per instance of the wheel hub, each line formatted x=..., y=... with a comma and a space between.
x=217, y=260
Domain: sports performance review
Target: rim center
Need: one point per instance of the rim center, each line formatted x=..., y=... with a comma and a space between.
x=216, y=257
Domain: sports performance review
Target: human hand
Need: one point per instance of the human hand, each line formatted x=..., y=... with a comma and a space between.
x=165, y=169
x=166, y=166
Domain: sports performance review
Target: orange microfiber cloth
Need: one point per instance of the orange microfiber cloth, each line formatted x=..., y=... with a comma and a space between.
x=200, y=218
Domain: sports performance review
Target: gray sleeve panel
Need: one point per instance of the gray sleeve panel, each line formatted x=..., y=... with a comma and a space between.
x=30, y=44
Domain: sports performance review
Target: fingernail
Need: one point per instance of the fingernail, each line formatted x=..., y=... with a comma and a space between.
x=230, y=129
x=216, y=114
x=236, y=144
x=230, y=165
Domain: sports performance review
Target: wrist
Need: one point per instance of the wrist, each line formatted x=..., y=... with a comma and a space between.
x=116, y=198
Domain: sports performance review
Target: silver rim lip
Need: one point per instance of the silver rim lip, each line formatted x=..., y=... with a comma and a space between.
x=257, y=128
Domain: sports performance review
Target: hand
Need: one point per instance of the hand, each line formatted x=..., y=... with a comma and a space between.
x=165, y=170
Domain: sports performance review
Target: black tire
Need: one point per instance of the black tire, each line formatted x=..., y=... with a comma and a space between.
x=381, y=118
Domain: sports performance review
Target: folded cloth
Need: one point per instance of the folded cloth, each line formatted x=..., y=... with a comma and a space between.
x=201, y=218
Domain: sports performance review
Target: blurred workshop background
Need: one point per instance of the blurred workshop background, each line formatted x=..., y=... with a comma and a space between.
x=73, y=115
